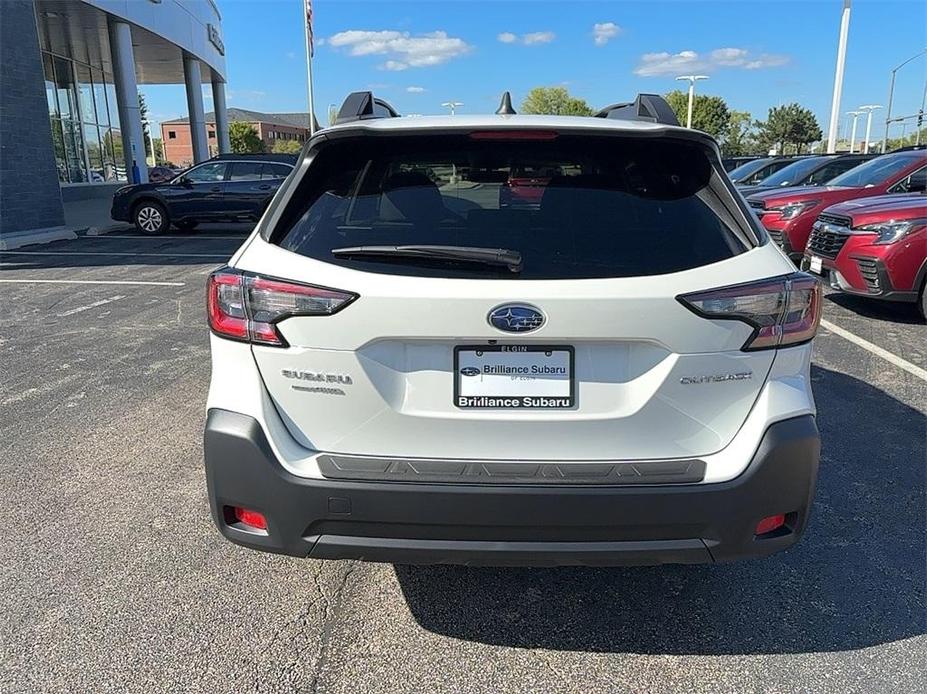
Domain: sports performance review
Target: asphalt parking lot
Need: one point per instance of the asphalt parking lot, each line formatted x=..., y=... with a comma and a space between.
x=114, y=578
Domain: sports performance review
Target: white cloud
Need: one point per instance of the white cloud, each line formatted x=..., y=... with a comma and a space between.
x=538, y=37
x=659, y=64
x=401, y=48
x=531, y=39
x=604, y=32
x=416, y=90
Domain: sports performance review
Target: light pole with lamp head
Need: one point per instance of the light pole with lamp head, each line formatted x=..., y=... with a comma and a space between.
x=691, y=79
x=452, y=105
x=891, y=94
x=868, y=108
x=856, y=115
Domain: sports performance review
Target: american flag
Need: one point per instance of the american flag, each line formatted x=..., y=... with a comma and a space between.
x=308, y=5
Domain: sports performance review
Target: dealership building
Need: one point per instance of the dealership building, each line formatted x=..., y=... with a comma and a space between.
x=70, y=125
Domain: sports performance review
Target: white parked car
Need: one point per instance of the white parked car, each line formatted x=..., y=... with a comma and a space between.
x=413, y=363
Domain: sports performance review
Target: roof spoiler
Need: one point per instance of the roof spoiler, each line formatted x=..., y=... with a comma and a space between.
x=364, y=106
x=651, y=108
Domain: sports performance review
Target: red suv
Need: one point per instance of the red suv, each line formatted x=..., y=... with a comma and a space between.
x=875, y=247
x=788, y=214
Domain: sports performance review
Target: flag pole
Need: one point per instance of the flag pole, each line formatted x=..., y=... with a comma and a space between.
x=307, y=6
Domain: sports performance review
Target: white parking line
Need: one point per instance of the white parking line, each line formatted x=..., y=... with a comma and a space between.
x=131, y=283
x=95, y=304
x=147, y=255
x=875, y=349
x=158, y=238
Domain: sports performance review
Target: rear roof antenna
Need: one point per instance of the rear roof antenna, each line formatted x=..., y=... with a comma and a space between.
x=505, y=107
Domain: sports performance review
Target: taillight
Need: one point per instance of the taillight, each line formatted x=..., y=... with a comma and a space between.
x=246, y=307
x=782, y=311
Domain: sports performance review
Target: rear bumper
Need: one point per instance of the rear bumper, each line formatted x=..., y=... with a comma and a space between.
x=505, y=524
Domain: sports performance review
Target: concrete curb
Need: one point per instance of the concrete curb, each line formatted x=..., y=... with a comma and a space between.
x=111, y=229
x=33, y=237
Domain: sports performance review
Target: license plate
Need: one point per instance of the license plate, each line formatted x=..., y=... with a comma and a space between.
x=816, y=264
x=514, y=377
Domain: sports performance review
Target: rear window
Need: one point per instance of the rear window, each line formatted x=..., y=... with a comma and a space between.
x=573, y=207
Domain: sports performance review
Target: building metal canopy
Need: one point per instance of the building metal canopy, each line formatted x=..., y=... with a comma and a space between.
x=78, y=29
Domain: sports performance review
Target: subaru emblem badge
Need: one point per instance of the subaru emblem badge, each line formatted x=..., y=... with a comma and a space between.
x=516, y=318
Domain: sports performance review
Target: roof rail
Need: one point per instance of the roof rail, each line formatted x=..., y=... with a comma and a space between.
x=646, y=107
x=364, y=106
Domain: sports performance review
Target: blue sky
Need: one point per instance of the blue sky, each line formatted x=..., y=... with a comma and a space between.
x=420, y=54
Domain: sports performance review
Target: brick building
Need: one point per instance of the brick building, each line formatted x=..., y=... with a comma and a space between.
x=270, y=127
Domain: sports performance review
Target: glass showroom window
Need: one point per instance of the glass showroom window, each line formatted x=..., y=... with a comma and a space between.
x=84, y=121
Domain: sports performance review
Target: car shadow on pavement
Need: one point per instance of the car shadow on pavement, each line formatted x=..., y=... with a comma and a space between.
x=894, y=311
x=856, y=579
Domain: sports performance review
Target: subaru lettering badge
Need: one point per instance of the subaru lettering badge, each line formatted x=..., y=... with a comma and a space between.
x=470, y=371
x=516, y=318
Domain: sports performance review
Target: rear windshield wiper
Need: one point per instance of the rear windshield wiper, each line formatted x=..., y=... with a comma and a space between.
x=468, y=254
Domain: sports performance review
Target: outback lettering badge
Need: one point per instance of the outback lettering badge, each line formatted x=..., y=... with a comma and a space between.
x=716, y=378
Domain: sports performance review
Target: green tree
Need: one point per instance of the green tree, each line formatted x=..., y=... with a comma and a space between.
x=146, y=133
x=244, y=138
x=555, y=101
x=710, y=114
x=158, y=149
x=789, y=128
x=740, y=136
x=286, y=147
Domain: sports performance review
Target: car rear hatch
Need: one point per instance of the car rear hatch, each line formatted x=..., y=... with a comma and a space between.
x=581, y=351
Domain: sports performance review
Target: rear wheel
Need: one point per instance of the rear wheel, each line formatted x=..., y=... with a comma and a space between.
x=151, y=218
x=922, y=302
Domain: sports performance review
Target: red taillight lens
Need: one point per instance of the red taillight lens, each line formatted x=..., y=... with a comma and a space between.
x=250, y=518
x=782, y=311
x=770, y=523
x=225, y=306
x=245, y=307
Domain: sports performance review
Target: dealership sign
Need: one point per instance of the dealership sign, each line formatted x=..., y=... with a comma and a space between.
x=214, y=38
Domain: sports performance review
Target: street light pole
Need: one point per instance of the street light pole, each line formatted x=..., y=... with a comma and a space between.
x=691, y=79
x=838, y=78
x=891, y=94
x=452, y=105
x=868, y=108
x=856, y=115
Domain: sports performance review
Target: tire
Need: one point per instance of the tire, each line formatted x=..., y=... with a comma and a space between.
x=922, y=302
x=151, y=218
x=189, y=225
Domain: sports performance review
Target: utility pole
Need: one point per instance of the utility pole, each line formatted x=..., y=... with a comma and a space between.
x=838, y=78
x=691, y=79
x=891, y=94
x=452, y=105
x=868, y=109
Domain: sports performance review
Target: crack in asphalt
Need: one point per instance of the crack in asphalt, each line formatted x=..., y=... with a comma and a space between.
x=332, y=611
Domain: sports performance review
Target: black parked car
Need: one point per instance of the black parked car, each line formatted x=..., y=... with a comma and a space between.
x=731, y=163
x=752, y=172
x=227, y=188
x=810, y=171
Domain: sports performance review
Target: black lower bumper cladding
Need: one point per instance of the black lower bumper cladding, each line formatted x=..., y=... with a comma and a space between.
x=507, y=521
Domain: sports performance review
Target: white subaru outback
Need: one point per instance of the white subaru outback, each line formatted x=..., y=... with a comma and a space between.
x=506, y=339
